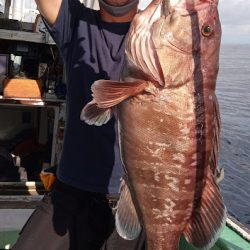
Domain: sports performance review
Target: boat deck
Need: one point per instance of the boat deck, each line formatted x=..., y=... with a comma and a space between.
x=229, y=240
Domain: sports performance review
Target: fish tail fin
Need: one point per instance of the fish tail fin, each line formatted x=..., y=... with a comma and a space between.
x=126, y=218
x=208, y=218
x=106, y=95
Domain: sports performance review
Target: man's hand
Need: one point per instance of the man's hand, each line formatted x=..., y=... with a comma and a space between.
x=49, y=9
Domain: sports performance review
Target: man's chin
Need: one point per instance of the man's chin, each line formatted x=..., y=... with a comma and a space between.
x=122, y=7
x=117, y=2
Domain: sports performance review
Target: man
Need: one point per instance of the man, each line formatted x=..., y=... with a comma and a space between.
x=76, y=214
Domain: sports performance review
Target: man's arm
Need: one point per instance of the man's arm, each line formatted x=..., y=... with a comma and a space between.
x=49, y=9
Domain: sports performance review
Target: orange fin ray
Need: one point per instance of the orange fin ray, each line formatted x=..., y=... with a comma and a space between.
x=106, y=95
x=110, y=93
x=126, y=219
x=214, y=163
x=93, y=115
x=208, y=218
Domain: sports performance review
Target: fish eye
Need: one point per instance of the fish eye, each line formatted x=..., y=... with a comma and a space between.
x=206, y=30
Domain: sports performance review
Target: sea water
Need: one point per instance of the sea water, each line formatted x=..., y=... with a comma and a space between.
x=233, y=92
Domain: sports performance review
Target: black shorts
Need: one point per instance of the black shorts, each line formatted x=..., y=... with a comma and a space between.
x=71, y=219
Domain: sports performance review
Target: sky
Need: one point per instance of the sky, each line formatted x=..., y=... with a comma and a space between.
x=235, y=20
x=234, y=16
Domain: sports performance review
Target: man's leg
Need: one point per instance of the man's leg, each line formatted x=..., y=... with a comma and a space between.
x=67, y=219
x=70, y=219
x=39, y=231
x=96, y=216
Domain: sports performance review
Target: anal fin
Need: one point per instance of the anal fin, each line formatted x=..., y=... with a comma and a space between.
x=208, y=218
x=126, y=219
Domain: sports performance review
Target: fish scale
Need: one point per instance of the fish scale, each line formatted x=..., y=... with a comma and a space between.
x=170, y=183
x=169, y=125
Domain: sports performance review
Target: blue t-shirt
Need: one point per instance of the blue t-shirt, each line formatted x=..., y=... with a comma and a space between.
x=91, y=49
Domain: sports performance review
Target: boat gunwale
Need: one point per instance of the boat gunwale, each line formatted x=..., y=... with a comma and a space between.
x=238, y=227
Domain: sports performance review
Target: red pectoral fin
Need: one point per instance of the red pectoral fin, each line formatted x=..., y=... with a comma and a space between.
x=93, y=115
x=110, y=93
x=106, y=95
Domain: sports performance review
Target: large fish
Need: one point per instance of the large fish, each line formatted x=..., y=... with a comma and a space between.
x=169, y=124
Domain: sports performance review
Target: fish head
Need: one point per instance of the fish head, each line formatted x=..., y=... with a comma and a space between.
x=187, y=40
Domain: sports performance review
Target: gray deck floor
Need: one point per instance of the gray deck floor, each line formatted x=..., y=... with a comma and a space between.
x=13, y=219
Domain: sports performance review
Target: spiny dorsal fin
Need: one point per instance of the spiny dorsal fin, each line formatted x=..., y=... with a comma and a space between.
x=216, y=141
x=126, y=219
x=208, y=218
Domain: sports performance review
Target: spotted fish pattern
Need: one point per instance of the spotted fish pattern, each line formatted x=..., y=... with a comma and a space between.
x=169, y=124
